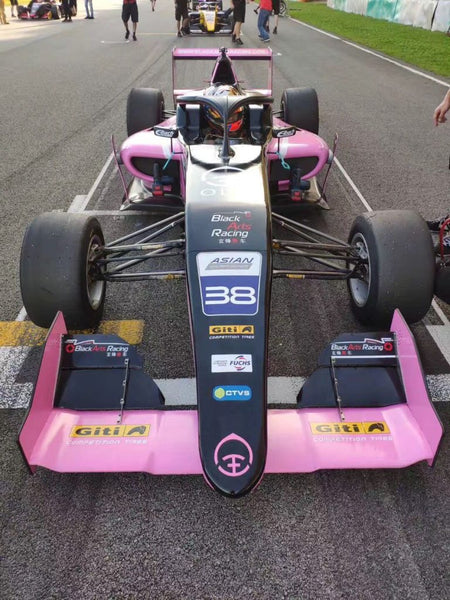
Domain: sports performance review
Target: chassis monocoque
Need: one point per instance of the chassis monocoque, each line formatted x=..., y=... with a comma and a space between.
x=368, y=386
x=209, y=17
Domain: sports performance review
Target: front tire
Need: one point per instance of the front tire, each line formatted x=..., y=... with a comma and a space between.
x=400, y=267
x=145, y=109
x=58, y=272
x=300, y=108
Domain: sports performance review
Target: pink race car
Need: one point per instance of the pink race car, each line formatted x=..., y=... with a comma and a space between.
x=223, y=161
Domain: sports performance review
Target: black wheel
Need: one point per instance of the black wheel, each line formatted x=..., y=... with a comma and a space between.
x=145, y=109
x=400, y=267
x=57, y=271
x=300, y=108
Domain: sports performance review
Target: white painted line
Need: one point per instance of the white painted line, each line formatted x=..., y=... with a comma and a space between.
x=380, y=56
x=352, y=185
x=13, y=395
x=80, y=206
x=22, y=314
x=77, y=202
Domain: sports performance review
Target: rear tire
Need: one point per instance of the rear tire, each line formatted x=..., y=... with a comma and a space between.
x=300, y=108
x=57, y=272
x=145, y=109
x=400, y=270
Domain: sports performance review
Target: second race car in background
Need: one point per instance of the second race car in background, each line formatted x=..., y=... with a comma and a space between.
x=209, y=17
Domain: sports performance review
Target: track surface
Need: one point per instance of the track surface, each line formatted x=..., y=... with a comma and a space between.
x=336, y=535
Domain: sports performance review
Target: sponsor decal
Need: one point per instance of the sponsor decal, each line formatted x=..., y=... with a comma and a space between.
x=117, y=349
x=282, y=133
x=231, y=227
x=229, y=282
x=226, y=393
x=163, y=132
x=233, y=456
x=231, y=363
x=361, y=428
x=111, y=431
x=367, y=347
x=231, y=332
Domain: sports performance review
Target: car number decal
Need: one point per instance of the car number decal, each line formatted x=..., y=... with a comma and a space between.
x=229, y=282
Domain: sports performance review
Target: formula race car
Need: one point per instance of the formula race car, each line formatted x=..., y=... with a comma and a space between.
x=38, y=10
x=208, y=17
x=221, y=161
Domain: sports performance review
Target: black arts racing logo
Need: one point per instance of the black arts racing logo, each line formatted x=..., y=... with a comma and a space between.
x=117, y=349
x=233, y=456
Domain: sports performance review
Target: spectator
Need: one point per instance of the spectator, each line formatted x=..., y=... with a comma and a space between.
x=89, y=9
x=130, y=10
x=182, y=17
x=442, y=109
x=239, y=18
x=265, y=9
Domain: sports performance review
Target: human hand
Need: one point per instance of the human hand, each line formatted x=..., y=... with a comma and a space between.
x=442, y=109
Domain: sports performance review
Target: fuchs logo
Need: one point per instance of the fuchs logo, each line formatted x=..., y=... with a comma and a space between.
x=231, y=363
x=363, y=428
x=226, y=393
x=115, y=431
x=117, y=349
x=233, y=456
x=241, y=263
x=367, y=345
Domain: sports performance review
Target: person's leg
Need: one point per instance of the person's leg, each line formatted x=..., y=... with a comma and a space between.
x=135, y=19
x=263, y=18
x=275, y=29
x=91, y=10
x=86, y=8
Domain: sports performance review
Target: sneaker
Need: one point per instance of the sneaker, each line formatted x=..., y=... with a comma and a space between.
x=127, y=35
x=266, y=40
x=179, y=34
x=275, y=31
x=134, y=37
x=239, y=42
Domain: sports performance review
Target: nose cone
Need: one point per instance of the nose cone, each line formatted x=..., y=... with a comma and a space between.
x=235, y=467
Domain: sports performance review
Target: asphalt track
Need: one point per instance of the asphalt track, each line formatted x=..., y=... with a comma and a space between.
x=336, y=535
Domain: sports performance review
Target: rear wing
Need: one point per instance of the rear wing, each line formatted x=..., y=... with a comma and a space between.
x=234, y=54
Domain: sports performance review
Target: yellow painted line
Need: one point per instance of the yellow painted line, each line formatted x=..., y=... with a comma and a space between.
x=26, y=333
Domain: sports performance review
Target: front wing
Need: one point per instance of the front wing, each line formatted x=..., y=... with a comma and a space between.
x=63, y=434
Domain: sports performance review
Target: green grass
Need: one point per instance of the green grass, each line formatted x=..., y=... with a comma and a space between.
x=429, y=50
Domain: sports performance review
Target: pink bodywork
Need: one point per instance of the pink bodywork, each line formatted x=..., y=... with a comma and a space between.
x=171, y=446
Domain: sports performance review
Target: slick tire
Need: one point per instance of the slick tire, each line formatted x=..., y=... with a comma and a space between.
x=300, y=108
x=400, y=267
x=145, y=109
x=57, y=271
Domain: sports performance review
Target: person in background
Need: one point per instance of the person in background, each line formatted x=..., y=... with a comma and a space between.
x=89, y=9
x=276, y=12
x=182, y=17
x=239, y=18
x=265, y=10
x=67, y=10
x=14, y=3
x=153, y=3
x=3, y=20
x=130, y=10
x=442, y=109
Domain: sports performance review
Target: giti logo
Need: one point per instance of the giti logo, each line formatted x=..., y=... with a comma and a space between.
x=350, y=428
x=100, y=431
x=231, y=330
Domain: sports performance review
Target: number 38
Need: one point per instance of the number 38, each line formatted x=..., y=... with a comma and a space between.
x=220, y=294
